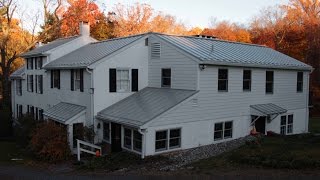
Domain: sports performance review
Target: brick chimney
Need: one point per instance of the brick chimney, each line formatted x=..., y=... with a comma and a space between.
x=84, y=28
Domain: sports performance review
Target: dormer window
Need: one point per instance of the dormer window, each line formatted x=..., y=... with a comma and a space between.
x=38, y=62
x=30, y=63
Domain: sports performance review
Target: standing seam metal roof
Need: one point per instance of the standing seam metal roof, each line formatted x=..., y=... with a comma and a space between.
x=46, y=47
x=92, y=52
x=269, y=109
x=220, y=51
x=64, y=111
x=18, y=74
x=144, y=105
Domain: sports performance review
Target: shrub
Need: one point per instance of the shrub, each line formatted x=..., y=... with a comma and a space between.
x=50, y=142
x=5, y=122
x=23, y=130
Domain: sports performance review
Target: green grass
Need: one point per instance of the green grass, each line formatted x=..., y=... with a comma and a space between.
x=314, y=125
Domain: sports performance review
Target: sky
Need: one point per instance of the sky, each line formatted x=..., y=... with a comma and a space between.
x=195, y=12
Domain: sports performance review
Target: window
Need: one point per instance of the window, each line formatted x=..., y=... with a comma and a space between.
x=40, y=114
x=155, y=50
x=19, y=87
x=30, y=83
x=123, y=80
x=55, y=79
x=106, y=131
x=168, y=139
x=223, y=130
x=77, y=80
x=31, y=111
x=137, y=141
x=127, y=138
x=269, y=82
x=146, y=42
x=39, y=84
x=286, y=124
x=299, y=81
x=38, y=61
x=223, y=80
x=246, y=80
x=165, y=77
x=19, y=111
x=29, y=63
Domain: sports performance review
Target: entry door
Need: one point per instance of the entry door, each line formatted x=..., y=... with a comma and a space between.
x=260, y=125
x=115, y=137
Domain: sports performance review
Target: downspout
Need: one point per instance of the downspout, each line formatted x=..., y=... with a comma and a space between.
x=143, y=132
x=91, y=91
x=307, y=104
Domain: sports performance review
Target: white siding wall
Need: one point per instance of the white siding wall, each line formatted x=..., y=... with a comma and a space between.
x=213, y=106
x=183, y=69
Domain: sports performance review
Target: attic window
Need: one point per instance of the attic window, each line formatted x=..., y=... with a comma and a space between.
x=146, y=42
x=155, y=50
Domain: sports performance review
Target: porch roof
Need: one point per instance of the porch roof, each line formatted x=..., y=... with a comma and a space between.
x=144, y=105
x=62, y=112
x=268, y=109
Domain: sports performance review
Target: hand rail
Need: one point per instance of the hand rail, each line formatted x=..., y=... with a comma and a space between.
x=79, y=149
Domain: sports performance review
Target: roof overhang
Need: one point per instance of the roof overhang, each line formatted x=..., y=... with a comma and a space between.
x=266, y=109
x=117, y=120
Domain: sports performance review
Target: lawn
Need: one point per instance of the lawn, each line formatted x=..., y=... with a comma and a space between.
x=289, y=152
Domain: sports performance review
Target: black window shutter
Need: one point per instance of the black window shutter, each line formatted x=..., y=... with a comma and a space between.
x=17, y=110
x=112, y=80
x=27, y=63
x=58, y=79
x=134, y=80
x=37, y=118
x=51, y=78
x=28, y=112
x=36, y=81
x=81, y=80
x=41, y=84
x=72, y=80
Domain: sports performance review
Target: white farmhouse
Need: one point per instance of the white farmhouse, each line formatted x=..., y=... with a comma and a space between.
x=154, y=93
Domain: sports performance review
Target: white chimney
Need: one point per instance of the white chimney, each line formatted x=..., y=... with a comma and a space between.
x=84, y=28
x=38, y=44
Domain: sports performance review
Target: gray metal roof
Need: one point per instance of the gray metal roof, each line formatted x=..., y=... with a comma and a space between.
x=64, y=111
x=91, y=53
x=269, y=109
x=46, y=47
x=222, y=52
x=18, y=74
x=144, y=105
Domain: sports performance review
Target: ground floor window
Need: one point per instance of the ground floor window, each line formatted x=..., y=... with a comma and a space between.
x=223, y=130
x=106, y=131
x=19, y=111
x=286, y=124
x=168, y=139
x=132, y=140
x=78, y=133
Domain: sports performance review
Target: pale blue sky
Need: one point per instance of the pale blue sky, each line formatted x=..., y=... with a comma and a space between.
x=197, y=12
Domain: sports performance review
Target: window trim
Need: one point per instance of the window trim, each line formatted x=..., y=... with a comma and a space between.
x=227, y=80
x=31, y=83
x=223, y=130
x=131, y=140
x=250, y=81
x=166, y=77
x=168, y=148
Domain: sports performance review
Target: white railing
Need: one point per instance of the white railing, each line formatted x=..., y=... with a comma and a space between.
x=79, y=149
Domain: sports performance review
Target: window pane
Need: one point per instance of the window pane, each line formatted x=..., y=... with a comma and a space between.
x=174, y=133
x=161, y=135
x=174, y=143
x=290, y=129
x=137, y=135
x=300, y=76
x=246, y=85
x=269, y=87
x=218, y=127
x=166, y=77
x=217, y=135
x=269, y=76
x=222, y=85
x=290, y=119
x=283, y=130
x=166, y=82
x=161, y=145
x=137, y=141
x=166, y=72
x=247, y=74
x=283, y=120
x=127, y=132
x=223, y=74
x=127, y=142
x=228, y=125
x=228, y=134
x=106, y=131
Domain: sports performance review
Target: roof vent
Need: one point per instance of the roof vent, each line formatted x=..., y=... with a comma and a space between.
x=155, y=50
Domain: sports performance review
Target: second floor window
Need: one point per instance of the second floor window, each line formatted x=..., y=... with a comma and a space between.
x=269, y=82
x=30, y=83
x=29, y=63
x=166, y=77
x=19, y=87
x=39, y=84
x=123, y=80
x=77, y=80
x=246, y=80
x=299, y=81
x=223, y=80
x=38, y=62
x=55, y=79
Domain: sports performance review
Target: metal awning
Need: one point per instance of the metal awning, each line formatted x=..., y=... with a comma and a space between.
x=267, y=109
x=64, y=112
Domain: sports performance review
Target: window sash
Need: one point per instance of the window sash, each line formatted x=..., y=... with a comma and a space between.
x=106, y=131
x=220, y=134
x=56, y=79
x=39, y=82
x=166, y=77
x=169, y=141
x=269, y=82
x=77, y=79
x=247, y=80
x=222, y=79
x=30, y=83
x=38, y=62
x=286, y=124
x=123, y=80
x=19, y=87
x=300, y=82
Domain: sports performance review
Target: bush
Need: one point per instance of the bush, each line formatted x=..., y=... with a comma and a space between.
x=5, y=122
x=23, y=130
x=50, y=142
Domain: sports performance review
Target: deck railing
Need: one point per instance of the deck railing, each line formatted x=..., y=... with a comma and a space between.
x=79, y=149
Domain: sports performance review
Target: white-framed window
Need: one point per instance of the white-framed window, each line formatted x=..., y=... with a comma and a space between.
x=123, y=80
x=55, y=79
x=77, y=79
x=30, y=63
x=246, y=80
x=223, y=80
x=40, y=114
x=106, y=131
x=299, y=81
x=223, y=130
x=38, y=61
x=269, y=82
x=30, y=83
x=19, y=87
x=168, y=139
x=166, y=77
x=39, y=85
x=286, y=124
x=19, y=110
x=132, y=140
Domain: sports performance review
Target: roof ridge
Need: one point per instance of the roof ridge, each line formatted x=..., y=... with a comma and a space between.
x=209, y=39
x=118, y=38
